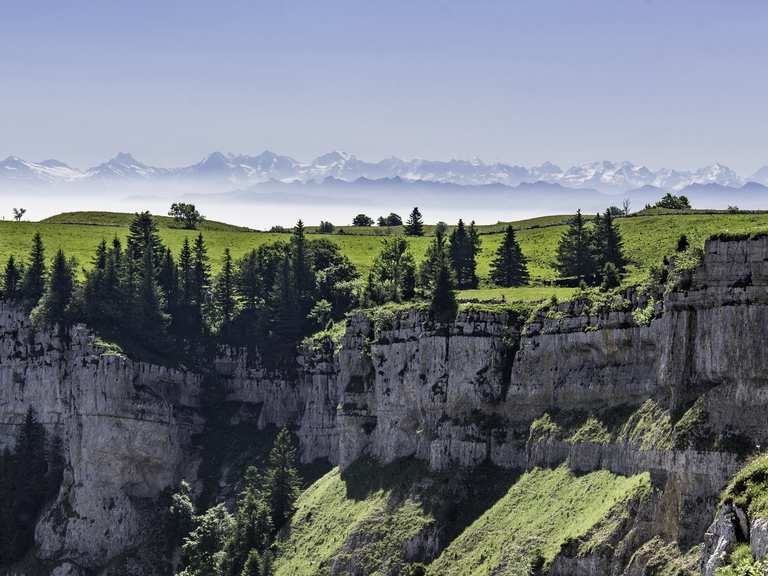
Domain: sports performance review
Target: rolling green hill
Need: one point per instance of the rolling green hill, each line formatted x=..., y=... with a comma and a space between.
x=647, y=239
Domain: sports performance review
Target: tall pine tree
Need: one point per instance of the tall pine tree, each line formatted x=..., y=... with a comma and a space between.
x=462, y=252
x=11, y=281
x=575, y=252
x=143, y=235
x=225, y=291
x=609, y=246
x=282, y=482
x=443, y=306
x=509, y=266
x=414, y=226
x=53, y=307
x=35, y=275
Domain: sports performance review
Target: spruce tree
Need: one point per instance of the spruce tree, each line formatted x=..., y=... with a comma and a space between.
x=414, y=226
x=224, y=291
x=253, y=528
x=462, y=252
x=443, y=306
x=509, y=266
x=11, y=281
x=575, y=252
x=282, y=482
x=611, y=277
x=302, y=266
x=53, y=306
x=35, y=275
x=201, y=283
x=30, y=469
x=143, y=235
x=609, y=246
x=152, y=322
x=186, y=282
x=168, y=281
x=436, y=253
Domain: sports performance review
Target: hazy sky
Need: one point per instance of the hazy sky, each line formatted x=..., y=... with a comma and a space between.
x=678, y=83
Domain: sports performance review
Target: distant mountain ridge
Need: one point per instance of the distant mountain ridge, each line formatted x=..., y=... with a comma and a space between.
x=243, y=170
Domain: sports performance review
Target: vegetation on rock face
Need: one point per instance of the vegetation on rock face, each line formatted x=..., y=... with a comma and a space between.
x=749, y=488
x=362, y=518
x=544, y=509
x=30, y=476
x=741, y=563
x=217, y=543
x=592, y=431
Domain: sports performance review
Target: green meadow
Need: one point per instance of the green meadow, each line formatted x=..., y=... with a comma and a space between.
x=647, y=238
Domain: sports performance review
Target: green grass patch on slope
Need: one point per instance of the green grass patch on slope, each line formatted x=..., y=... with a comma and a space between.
x=646, y=239
x=124, y=219
x=542, y=511
x=362, y=518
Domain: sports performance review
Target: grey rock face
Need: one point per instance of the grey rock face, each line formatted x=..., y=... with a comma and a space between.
x=452, y=396
x=758, y=538
x=126, y=430
x=719, y=540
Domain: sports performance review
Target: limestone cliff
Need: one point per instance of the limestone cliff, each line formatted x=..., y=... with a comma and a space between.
x=680, y=391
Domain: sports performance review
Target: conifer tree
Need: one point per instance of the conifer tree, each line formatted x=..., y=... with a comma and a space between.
x=224, y=291
x=443, y=306
x=575, y=252
x=53, y=306
x=35, y=275
x=286, y=318
x=302, y=266
x=201, y=272
x=609, y=246
x=414, y=226
x=30, y=481
x=282, y=482
x=169, y=283
x=436, y=252
x=185, y=276
x=611, y=277
x=462, y=252
x=152, y=322
x=11, y=281
x=143, y=235
x=254, y=565
x=252, y=530
x=509, y=266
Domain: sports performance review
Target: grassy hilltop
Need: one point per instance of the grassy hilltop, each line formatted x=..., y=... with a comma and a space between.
x=646, y=239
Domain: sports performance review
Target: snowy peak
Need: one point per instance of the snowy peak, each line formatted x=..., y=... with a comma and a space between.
x=124, y=166
x=49, y=171
x=241, y=169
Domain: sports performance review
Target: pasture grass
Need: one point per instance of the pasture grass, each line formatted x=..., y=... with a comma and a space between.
x=647, y=238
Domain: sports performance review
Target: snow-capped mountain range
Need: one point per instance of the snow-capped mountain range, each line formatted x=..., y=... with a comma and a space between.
x=226, y=170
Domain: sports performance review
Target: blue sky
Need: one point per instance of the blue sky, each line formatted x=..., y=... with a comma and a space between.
x=669, y=83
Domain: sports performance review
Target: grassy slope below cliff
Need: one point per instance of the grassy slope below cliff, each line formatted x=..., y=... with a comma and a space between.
x=542, y=511
x=647, y=238
x=362, y=518
x=378, y=519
